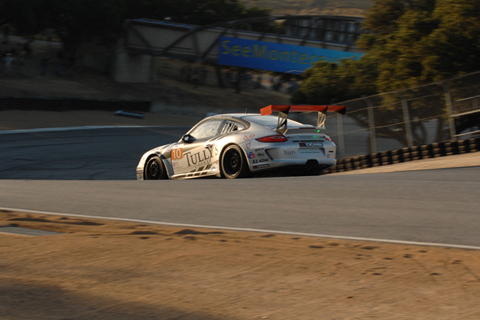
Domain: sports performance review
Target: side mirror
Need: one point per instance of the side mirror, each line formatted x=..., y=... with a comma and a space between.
x=188, y=138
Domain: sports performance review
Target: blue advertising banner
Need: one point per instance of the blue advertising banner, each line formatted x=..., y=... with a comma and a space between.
x=276, y=57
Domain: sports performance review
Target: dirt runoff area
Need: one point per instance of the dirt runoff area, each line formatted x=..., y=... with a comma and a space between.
x=104, y=269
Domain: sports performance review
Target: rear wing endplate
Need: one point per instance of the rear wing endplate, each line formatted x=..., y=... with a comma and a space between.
x=283, y=111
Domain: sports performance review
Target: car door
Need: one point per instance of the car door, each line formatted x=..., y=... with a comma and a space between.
x=192, y=156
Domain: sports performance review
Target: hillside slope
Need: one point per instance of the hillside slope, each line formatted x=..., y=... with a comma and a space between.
x=173, y=102
x=169, y=93
x=354, y=8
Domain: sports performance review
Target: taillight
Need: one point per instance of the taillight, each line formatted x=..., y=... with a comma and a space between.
x=277, y=138
x=327, y=138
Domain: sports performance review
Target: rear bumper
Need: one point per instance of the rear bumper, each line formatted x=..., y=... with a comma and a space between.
x=279, y=163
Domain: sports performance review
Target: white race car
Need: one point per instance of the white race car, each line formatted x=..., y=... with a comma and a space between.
x=240, y=145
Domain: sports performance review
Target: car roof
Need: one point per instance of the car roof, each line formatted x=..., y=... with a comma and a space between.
x=244, y=116
x=236, y=115
x=270, y=121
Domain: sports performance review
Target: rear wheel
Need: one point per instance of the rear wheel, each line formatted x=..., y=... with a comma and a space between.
x=154, y=169
x=233, y=163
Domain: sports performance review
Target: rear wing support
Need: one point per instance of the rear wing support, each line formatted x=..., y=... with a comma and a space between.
x=322, y=117
x=282, y=121
x=283, y=111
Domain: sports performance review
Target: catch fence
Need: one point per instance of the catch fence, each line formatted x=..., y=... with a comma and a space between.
x=440, y=112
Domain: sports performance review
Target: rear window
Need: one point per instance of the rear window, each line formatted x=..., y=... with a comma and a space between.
x=272, y=121
x=231, y=126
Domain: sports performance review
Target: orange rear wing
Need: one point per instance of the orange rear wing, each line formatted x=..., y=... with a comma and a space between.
x=283, y=111
x=301, y=108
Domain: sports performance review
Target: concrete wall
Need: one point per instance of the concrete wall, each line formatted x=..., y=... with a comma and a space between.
x=134, y=68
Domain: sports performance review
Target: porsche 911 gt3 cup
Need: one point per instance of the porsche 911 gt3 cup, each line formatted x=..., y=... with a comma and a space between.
x=240, y=145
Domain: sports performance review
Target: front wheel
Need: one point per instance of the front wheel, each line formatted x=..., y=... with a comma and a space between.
x=233, y=163
x=154, y=169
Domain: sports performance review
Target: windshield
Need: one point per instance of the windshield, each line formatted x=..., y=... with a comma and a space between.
x=272, y=121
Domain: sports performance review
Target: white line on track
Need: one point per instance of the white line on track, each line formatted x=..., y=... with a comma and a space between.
x=300, y=234
x=84, y=128
x=71, y=128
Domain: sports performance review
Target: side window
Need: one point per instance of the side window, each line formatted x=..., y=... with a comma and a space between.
x=207, y=129
x=231, y=126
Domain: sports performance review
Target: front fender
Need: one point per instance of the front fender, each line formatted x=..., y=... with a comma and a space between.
x=148, y=155
x=168, y=165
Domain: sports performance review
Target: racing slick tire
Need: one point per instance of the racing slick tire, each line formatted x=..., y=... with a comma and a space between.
x=233, y=163
x=154, y=169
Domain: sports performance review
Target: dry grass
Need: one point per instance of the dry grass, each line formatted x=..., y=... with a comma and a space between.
x=357, y=8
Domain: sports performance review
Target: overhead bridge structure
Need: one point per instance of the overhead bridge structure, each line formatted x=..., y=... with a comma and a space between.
x=287, y=44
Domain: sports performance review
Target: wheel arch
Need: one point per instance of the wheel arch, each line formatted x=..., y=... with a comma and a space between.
x=236, y=144
x=165, y=162
x=244, y=153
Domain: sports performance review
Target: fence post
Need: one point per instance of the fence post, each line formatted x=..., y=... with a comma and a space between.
x=371, y=126
x=449, y=105
x=406, y=119
x=341, y=137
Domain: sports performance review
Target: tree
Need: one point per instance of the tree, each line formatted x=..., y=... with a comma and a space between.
x=453, y=48
x=328, y=82
x=426, y=41
x=407, y=43
x=76, y=21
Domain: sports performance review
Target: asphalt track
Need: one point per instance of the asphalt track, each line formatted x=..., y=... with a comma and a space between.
x=91, y=172
x=91, y=153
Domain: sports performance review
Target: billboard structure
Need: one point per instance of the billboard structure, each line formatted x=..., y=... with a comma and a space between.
x=277, y=57
x=300, y=42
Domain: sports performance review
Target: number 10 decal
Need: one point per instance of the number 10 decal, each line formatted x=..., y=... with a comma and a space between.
x=177, y=153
